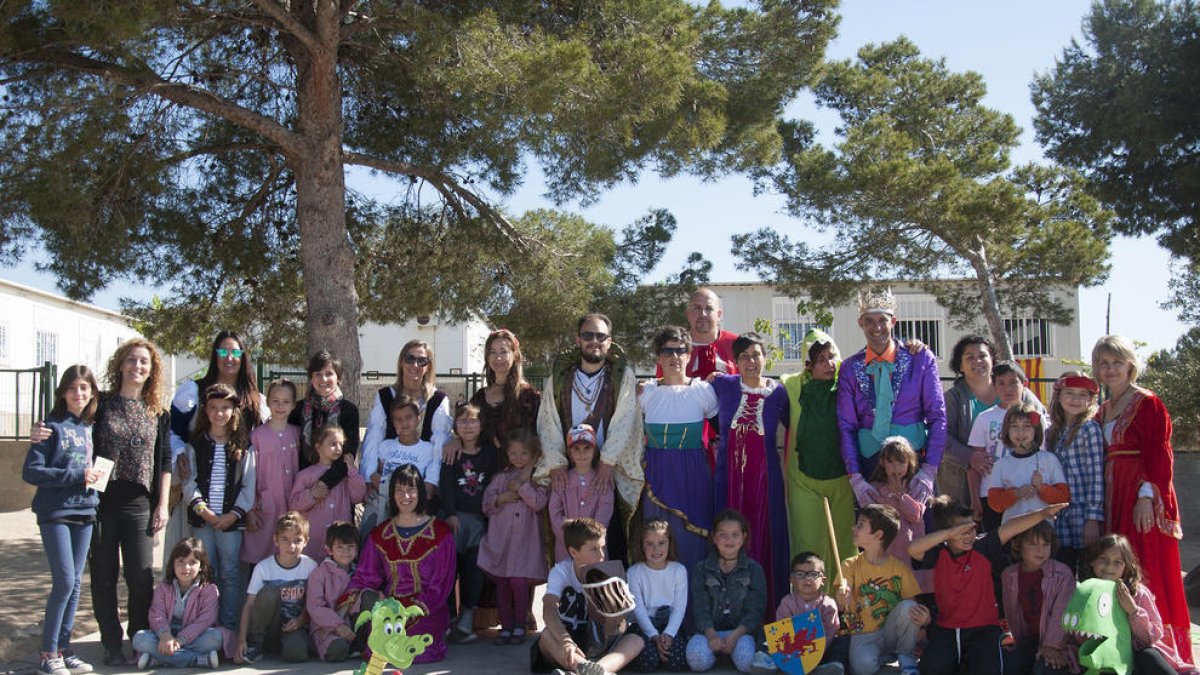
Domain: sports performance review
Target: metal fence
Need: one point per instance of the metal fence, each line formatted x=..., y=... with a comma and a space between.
x=454, y=384
x=26, y=396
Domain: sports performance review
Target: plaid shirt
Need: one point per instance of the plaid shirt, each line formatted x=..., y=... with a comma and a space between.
x=1083, y=463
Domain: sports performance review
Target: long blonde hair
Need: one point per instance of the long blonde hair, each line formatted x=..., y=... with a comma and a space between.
x=1058, y=416
x=154, y=393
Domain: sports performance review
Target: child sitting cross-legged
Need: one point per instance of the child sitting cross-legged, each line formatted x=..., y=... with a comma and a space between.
x=967, y=629
x=329, y=628
x=877, y=591
x=577, y=636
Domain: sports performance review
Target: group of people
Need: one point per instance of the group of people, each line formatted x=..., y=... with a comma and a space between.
x=956, y=520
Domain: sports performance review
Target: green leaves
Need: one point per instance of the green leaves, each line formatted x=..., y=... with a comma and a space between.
x=918, y=187
x=1124, y=109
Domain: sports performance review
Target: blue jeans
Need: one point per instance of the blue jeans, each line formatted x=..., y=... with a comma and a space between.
x=66, y=552
x=146, y=642
x=223, y=550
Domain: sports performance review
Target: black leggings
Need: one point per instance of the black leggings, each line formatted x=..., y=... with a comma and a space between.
x=122, y=529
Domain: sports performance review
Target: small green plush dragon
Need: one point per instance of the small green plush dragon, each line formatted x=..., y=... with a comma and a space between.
x=388, y=640
x=1095, y=615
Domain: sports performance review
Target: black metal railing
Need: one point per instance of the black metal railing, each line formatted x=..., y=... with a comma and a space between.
x=26, y=396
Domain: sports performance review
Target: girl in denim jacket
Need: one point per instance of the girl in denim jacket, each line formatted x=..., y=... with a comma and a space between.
x=729, y=598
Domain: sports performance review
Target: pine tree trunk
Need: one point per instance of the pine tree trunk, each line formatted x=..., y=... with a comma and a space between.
x=326, y=255
x=991, y=307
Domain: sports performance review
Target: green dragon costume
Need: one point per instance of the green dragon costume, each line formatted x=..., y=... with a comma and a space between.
x=1095, y=615
x=388, y=640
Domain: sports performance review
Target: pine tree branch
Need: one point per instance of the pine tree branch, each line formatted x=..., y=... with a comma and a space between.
x=182, y=94
x=289, y=23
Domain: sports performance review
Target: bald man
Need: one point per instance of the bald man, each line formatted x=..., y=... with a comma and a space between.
x=712, y=348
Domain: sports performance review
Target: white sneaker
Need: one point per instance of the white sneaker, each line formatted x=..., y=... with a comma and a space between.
x=76, y=665
x=53, y=665
x=144, y=661
x=210, y=660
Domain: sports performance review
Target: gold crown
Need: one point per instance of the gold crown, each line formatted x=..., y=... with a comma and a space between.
x=877, y=301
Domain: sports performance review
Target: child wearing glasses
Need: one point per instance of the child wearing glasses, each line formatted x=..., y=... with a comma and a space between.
x=808, y=594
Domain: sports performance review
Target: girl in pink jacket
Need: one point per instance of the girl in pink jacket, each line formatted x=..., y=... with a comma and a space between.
x=319, y=503
x=183, y=614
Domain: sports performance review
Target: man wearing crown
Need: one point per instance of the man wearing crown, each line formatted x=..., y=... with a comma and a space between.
x=885, y=390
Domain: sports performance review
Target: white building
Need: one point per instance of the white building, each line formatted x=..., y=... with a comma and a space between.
x=1036, y=342
x=38, y=327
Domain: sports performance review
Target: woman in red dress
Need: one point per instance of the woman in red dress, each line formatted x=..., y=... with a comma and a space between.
x=1139, y=481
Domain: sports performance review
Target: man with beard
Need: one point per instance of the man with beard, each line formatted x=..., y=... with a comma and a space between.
x=592, y=383
x=885, y=390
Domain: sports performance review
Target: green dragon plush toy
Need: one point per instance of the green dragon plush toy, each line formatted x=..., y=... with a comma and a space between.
x=388, y=640
x=1095, y=615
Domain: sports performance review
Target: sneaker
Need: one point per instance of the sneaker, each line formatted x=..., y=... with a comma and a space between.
x=762, y=663
x=590, y=668
x=210, y=660
x=144, y=661
x=502, y=638
x=460, y=637
x=76, y=665
x=52, y=664
x=253, y=654
x=908, y=664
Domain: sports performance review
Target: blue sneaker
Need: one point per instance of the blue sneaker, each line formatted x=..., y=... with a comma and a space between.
x=253, y=654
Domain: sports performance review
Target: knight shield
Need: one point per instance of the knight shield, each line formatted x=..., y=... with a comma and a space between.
x=797, y=644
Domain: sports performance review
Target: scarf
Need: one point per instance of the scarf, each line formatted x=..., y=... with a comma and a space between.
x=318, y=412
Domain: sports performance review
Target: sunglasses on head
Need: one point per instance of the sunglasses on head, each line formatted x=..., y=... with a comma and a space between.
x=672, y=351
x=593, y=336
x=418, y=360
x=226, y=353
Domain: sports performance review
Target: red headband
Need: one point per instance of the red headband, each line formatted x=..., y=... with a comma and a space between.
x=1077, y=382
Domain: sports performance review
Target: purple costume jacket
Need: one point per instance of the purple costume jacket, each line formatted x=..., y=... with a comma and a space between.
x=917, y=399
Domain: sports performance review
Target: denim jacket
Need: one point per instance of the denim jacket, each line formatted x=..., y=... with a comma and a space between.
x=726, y=601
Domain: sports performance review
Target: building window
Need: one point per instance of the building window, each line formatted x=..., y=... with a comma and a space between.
x=46, y=348
x=928, y=331
x=790, y=327
x=789, y=337
x=1030, y=337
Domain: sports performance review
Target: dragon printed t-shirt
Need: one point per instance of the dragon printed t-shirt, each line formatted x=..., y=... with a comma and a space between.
x=964, y=585
x=875, y=590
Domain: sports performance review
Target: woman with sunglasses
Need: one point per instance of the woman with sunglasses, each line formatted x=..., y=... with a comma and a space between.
x=678, y=481
x=229, y=364
x=415, y=378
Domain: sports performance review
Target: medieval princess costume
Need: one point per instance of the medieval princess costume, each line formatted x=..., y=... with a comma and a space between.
x=748, y=474
x=1140, y=461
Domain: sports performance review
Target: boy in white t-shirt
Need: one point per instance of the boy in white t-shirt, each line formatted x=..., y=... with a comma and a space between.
x=274, y=613
x=383, y=458
x=1010, y=383
x=577, y=636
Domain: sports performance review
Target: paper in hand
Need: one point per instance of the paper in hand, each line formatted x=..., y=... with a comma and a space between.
x=105, y=466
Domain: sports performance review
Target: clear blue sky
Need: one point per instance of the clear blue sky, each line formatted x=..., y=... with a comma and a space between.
x=1007, y=42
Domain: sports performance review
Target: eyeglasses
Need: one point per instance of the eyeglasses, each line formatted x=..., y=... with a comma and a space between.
x=672, y=351
x=417, y=360
x=811, y=576
x=226, y=353
x=593, y=336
